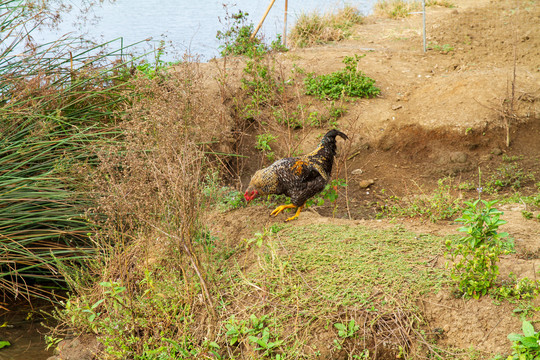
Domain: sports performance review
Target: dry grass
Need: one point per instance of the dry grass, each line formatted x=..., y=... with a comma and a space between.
x=313, y=28
x=397, y=8
x=404, y=8
x=151, y=277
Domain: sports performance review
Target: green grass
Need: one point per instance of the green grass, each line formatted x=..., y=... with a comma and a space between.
x=348, y=265
x=306, y=277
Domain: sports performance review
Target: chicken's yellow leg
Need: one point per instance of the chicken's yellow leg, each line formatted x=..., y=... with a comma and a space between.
x=281, y=208
x=297, y=213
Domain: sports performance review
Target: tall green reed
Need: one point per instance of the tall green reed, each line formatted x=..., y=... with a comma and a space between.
x=58, y=105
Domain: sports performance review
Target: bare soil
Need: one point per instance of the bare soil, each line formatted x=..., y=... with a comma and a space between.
x=439, y=114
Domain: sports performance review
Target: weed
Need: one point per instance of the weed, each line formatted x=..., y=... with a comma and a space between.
x=347, y=82
x=527, y=214
x=330, y=193
x=237, y=40
x=446, y=48
x=396, y=8
x=236, y=37
x=330, y=117
x=443, y=3
x=262, y=84
x=293, y=121
x=525, y=288
x=439, y=205
x=476, y=255
x=255, y=331
x=508, y=175
x=263, y=144
x=526, y=346
x=347, y=330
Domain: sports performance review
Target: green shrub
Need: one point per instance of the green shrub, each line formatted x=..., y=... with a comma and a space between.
x=346, y=82
x=236, y=38
x=476, y=255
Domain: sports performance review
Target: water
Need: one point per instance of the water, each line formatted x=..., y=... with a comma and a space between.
x=21, y=326
x=185, y=25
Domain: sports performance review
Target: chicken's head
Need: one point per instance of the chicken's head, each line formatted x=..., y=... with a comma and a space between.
x=251, y=194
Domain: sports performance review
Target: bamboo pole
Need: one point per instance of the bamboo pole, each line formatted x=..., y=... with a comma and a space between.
x=285, y=24
x=262, y=20
x=424, y=23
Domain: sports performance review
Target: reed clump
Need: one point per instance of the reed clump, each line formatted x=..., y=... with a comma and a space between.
x=56, y=107
x=313, y=28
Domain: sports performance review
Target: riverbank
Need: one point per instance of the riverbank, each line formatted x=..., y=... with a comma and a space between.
x=440, y=116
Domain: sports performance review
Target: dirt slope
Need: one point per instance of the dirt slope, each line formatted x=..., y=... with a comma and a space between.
x=439, y=114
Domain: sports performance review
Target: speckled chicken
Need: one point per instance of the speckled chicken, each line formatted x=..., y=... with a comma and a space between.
x=297, y=177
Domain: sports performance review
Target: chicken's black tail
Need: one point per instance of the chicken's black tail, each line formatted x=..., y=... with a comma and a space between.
x=333, y=133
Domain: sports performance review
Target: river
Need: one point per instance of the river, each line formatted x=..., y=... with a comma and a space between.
x=185, y=25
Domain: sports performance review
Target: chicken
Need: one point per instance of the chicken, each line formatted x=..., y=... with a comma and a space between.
x=297, y=177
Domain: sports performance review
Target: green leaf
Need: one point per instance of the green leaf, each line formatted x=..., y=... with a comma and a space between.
x=528, y=329
x=515, y=337
x=4, y=343
x=253, y=339
x=530, y=342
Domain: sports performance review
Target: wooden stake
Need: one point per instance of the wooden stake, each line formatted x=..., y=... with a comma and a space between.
x=285, y=24
x=262, y=20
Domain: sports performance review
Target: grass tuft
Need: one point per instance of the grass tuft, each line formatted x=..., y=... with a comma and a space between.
x=314, y=28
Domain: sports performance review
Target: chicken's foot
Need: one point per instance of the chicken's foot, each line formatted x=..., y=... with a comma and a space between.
x=297, y=213
x=281, y=208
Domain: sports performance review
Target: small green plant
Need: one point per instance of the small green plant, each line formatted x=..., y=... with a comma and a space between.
x=346, y=82
x=51, y=342
x=444, y=49
x=526, y=346
x=439, y=205
x=527, y=214
x=235, y=330
x=525, y=288
x=236, y=37
x=476, y=255
x=263, y=144
x=152, y=70
x=265, y=343
x=330, y=193
x=364, y=355
x=256, y=332
x=277, y=44
x=292, y=121
x=263, y=86
x=508, y=175
x=347, y=330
